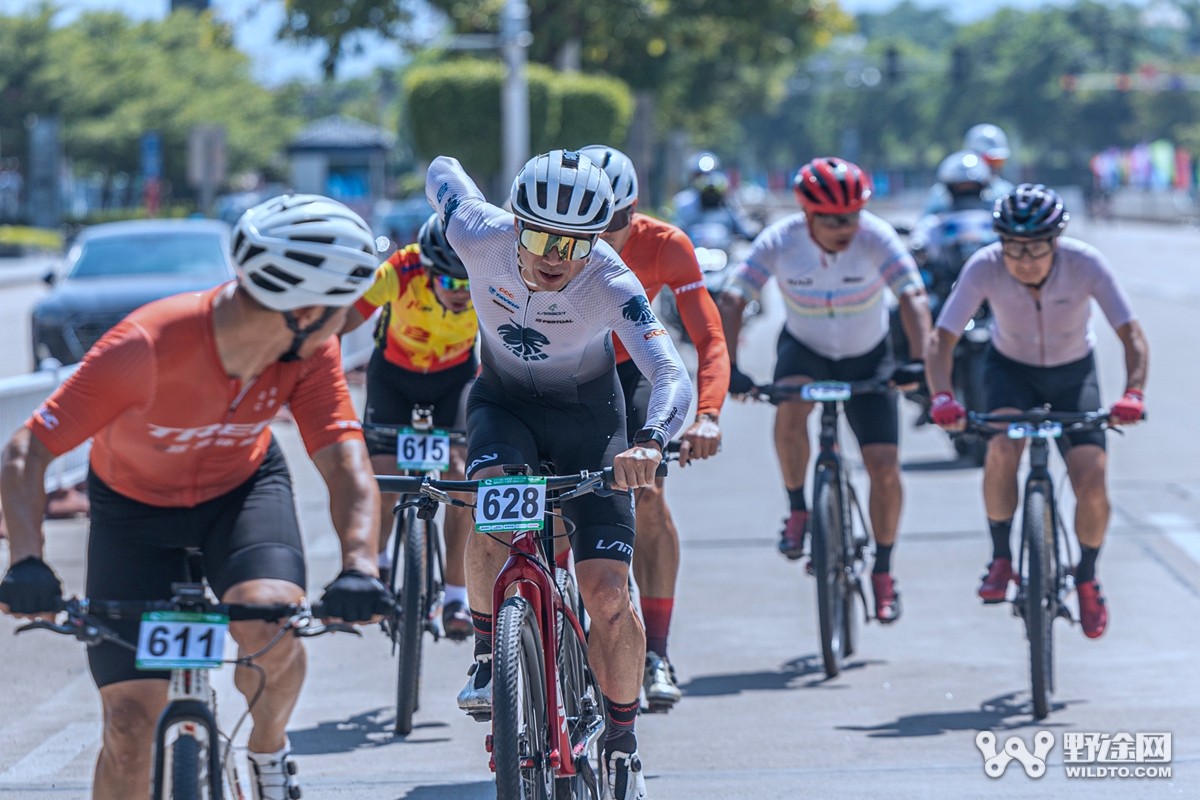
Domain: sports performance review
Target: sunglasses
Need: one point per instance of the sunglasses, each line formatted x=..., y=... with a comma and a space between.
x=569, y=248
x=452, y=284
x=620, y=220
x=1039, y=248
x=835, y=221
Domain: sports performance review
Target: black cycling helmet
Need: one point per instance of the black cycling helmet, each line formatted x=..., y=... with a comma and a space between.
x=436, y=252
x=1030, y=210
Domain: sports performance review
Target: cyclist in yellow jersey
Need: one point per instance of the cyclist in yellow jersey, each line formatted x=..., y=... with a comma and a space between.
x=424, y=353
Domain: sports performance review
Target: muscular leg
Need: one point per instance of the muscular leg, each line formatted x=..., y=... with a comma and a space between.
x=485, y=558
x=1086, y=465
x=131, y=710
x=883, y=466
x=791, y=436
x=1000, y=474
x=656, y=557
x=616, y=642
x=385, y=465
x=285, y=665
x=458, y=525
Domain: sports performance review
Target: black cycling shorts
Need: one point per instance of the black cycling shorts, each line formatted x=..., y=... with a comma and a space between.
x=1067, y=387
x=392, y=392
x=505, y=429
x=874, y=417
x=136, y=551
x=636, y=388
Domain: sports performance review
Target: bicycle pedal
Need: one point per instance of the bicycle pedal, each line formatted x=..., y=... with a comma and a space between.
x=657, y=708
x=481, y=716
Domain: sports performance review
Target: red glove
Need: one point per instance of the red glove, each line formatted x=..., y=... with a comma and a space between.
x=945, y=410
x=1130, y=408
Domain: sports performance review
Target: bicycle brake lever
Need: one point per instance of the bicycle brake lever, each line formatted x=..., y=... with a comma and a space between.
x=309, y=631
x=43, y=625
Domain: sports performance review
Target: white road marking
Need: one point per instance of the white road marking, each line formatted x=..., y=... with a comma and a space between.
x=53, y=754
x=1180, y=530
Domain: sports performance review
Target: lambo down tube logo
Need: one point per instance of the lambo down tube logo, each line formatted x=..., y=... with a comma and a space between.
x=995, y=763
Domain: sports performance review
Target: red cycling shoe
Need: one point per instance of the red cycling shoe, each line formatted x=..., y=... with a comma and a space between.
x=887, y=599
x=791, y=539
x=1093, y=611
x=995, y=583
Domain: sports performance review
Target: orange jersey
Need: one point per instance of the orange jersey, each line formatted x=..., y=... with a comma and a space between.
x=169, y=427
x=416, y=332
x=662, y=255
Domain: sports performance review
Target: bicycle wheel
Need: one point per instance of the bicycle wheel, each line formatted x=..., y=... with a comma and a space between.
x=185, y=768
x=581, y=702
x=519, y=715
x=412, y=623
x=1040, y=593
x=855, y=546
x=828, y=554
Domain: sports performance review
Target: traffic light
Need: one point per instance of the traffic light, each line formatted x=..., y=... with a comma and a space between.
x=959, y=67
x=891, y=65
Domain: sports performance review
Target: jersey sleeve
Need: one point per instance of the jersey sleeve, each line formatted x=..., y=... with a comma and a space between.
x=118, y=373
x=651, y=349
x=384, y=290
x=896, y=264
x=752, y=275
x=320, y=401
x=470, y=221
x=1109, y=295
x=700, y=317
x=966, y=296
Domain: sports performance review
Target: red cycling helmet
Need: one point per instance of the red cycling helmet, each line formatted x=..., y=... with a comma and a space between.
x=832, y=186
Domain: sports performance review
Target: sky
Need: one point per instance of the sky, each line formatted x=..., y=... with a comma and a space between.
x=256, y=21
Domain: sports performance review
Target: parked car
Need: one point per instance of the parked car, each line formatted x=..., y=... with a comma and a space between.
x=115, y=268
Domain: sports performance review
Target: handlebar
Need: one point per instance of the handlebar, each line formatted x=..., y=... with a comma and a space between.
x=389, y=433
x=777, y=392
x=1071, y=421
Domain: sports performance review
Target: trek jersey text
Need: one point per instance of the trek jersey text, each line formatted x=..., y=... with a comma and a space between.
x=543, y=345
x=169, y=427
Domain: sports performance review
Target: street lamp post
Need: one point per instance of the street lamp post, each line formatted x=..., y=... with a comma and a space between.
x=515, y=39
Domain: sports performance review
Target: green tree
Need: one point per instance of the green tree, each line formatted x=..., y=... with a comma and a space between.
x=340, y=24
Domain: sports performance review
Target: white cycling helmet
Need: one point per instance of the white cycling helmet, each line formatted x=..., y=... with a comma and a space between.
x=989, y=141
x=620, y=171
x=965, y=166
x=303, y=250
x=563, y=190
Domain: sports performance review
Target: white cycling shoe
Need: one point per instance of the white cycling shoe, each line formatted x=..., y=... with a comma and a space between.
x=273, y=776
x=623, y=778
x=658, y=680
x=477, y=700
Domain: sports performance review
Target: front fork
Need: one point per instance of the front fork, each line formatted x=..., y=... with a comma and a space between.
x=191, y=705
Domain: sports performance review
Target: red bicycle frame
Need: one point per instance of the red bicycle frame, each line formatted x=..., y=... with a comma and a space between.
x=525, y=572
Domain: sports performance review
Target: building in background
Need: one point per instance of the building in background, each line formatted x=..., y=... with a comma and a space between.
x=343, y=158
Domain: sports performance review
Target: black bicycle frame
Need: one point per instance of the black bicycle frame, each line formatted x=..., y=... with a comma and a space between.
x=1039, y=472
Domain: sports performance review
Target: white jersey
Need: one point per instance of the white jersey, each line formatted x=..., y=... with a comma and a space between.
x=835, y=301
x=543, y=345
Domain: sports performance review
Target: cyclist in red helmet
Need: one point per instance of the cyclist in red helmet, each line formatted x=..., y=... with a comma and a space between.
x=834, y=263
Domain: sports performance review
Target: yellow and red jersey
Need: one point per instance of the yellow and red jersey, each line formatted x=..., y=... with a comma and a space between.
x=416, y=333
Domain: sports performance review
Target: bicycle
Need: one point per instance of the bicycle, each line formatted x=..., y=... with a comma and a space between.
x=839, y=534
x=1045, y=577
x=196, y=763
x=547, y=710
x=420, y=449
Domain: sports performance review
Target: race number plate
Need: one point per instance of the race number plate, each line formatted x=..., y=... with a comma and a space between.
x=825, y=391
x=511, y=503
x=1027, y=430
x=423, y=451
x=181, y=640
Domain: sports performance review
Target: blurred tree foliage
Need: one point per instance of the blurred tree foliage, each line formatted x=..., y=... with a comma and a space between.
x=340, y=24
x=109, y=80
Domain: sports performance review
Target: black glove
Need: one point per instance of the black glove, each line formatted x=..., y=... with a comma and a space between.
x=356, y=597
x=31, y=587
x=910, y=372
x=739, y=382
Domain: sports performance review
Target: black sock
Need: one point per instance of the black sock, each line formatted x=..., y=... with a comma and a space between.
x=1001, y=532
x=1086, y=571
x=620, y=735
x=883, y=558
x=483, y=646
x=796, y=499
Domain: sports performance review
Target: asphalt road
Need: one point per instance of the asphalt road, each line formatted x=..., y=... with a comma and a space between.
x=758, y=719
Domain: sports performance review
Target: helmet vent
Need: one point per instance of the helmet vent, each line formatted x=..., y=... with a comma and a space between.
x=251, y=252
x=276, y=272
x=341, y=291
x=361, y=272
x=263, y=283
x=305, y=258
x=316, y=239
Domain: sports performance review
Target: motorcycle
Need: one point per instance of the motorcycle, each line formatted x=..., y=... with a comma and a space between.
x=714, y=239
x=942, y=244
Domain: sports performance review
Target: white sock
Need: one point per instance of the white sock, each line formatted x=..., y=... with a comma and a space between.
x=263, y=759
x=384, y=559
x=458, y=593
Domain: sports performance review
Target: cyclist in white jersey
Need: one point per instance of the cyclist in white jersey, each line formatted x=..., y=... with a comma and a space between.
x=1040, y=288
x=549, y=294
x=834, y=263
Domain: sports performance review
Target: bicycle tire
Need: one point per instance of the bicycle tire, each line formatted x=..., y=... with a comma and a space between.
x=519, y=713
x=412, y=624
x=826, y=543
x=185, y=768
x=853, y=589
x=1040, y=593
x=582, y=700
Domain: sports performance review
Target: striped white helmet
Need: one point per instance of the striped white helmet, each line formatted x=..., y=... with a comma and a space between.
x=564, y=191
x=620, y=171
x=303, y=250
